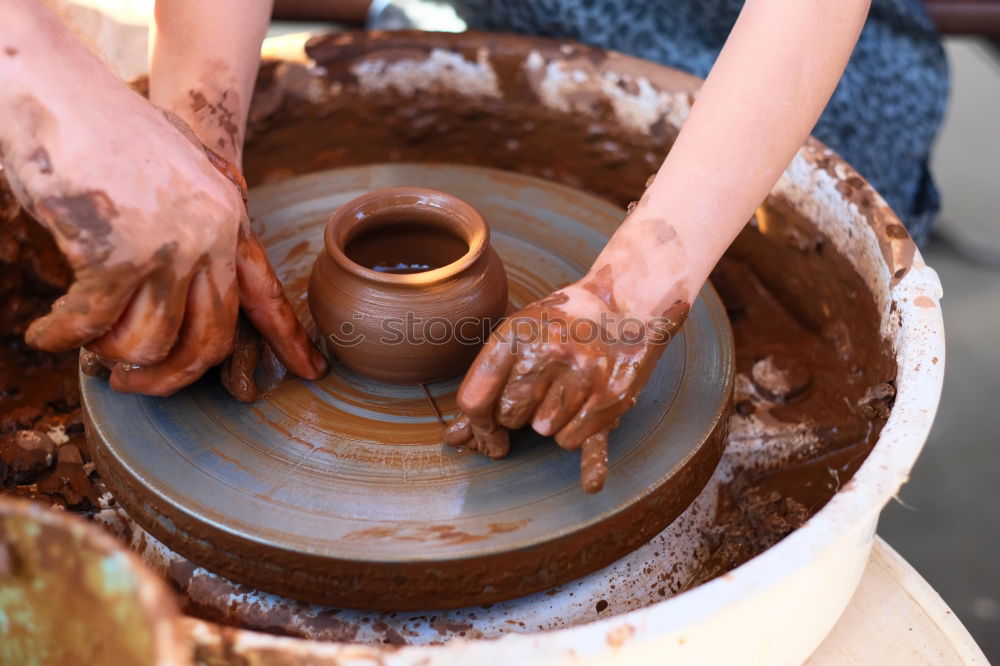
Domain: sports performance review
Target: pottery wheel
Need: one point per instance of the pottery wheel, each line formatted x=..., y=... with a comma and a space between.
x=340, y=491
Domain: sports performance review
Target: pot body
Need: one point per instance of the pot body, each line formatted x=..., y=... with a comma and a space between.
x=415, y=327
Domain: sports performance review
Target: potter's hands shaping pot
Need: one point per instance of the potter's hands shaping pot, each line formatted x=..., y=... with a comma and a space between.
x=158, y=238
x=570, y=365
x=699, y=201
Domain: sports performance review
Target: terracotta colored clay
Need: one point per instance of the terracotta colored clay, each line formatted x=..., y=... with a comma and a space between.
x=408, y=286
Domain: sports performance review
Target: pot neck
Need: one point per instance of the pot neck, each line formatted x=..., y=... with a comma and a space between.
x=401, y=207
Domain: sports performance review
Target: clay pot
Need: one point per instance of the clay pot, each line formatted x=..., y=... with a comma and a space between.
x=408, y=286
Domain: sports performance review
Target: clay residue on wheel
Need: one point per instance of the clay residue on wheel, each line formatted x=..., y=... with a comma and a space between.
x=434, y=533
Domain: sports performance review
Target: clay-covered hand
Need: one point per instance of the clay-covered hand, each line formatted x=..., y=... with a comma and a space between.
x=570, y=365
x=160, y=243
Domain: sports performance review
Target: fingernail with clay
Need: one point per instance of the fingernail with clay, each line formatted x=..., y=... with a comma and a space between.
x=319, y=363
x=92, y=365
x=542, y=424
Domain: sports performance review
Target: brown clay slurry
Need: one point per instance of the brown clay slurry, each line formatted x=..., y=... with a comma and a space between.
x=43, y=452
x=85, y=218
x=405, y=248
x=376, y=420
x=434, y=533
x=238, y=369
x=811, y=351
x=222, y=112
x=39, y=392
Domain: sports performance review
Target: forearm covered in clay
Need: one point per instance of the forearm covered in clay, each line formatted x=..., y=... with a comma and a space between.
x=774, y=76
x=203, y=64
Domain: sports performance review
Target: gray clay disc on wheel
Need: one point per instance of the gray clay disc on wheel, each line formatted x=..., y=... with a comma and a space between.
x=340, y=491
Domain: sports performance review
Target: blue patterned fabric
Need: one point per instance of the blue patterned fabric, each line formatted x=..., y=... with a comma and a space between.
x=882, y=118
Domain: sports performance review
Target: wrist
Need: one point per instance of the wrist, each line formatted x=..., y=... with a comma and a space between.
x=203, y=66
x=640, y=278
x=654, y=311
x=212, y=109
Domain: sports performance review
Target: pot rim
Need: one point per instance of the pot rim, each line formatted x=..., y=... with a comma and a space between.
x=441, y=209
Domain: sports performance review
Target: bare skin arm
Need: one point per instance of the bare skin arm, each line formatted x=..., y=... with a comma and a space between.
x=772, y=80
x=155, y=234
x=203, y=64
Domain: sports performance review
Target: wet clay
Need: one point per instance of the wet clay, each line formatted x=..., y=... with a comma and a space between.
x=43, y=452
x=790, y=295
x=405, y=249
x=407, y=287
